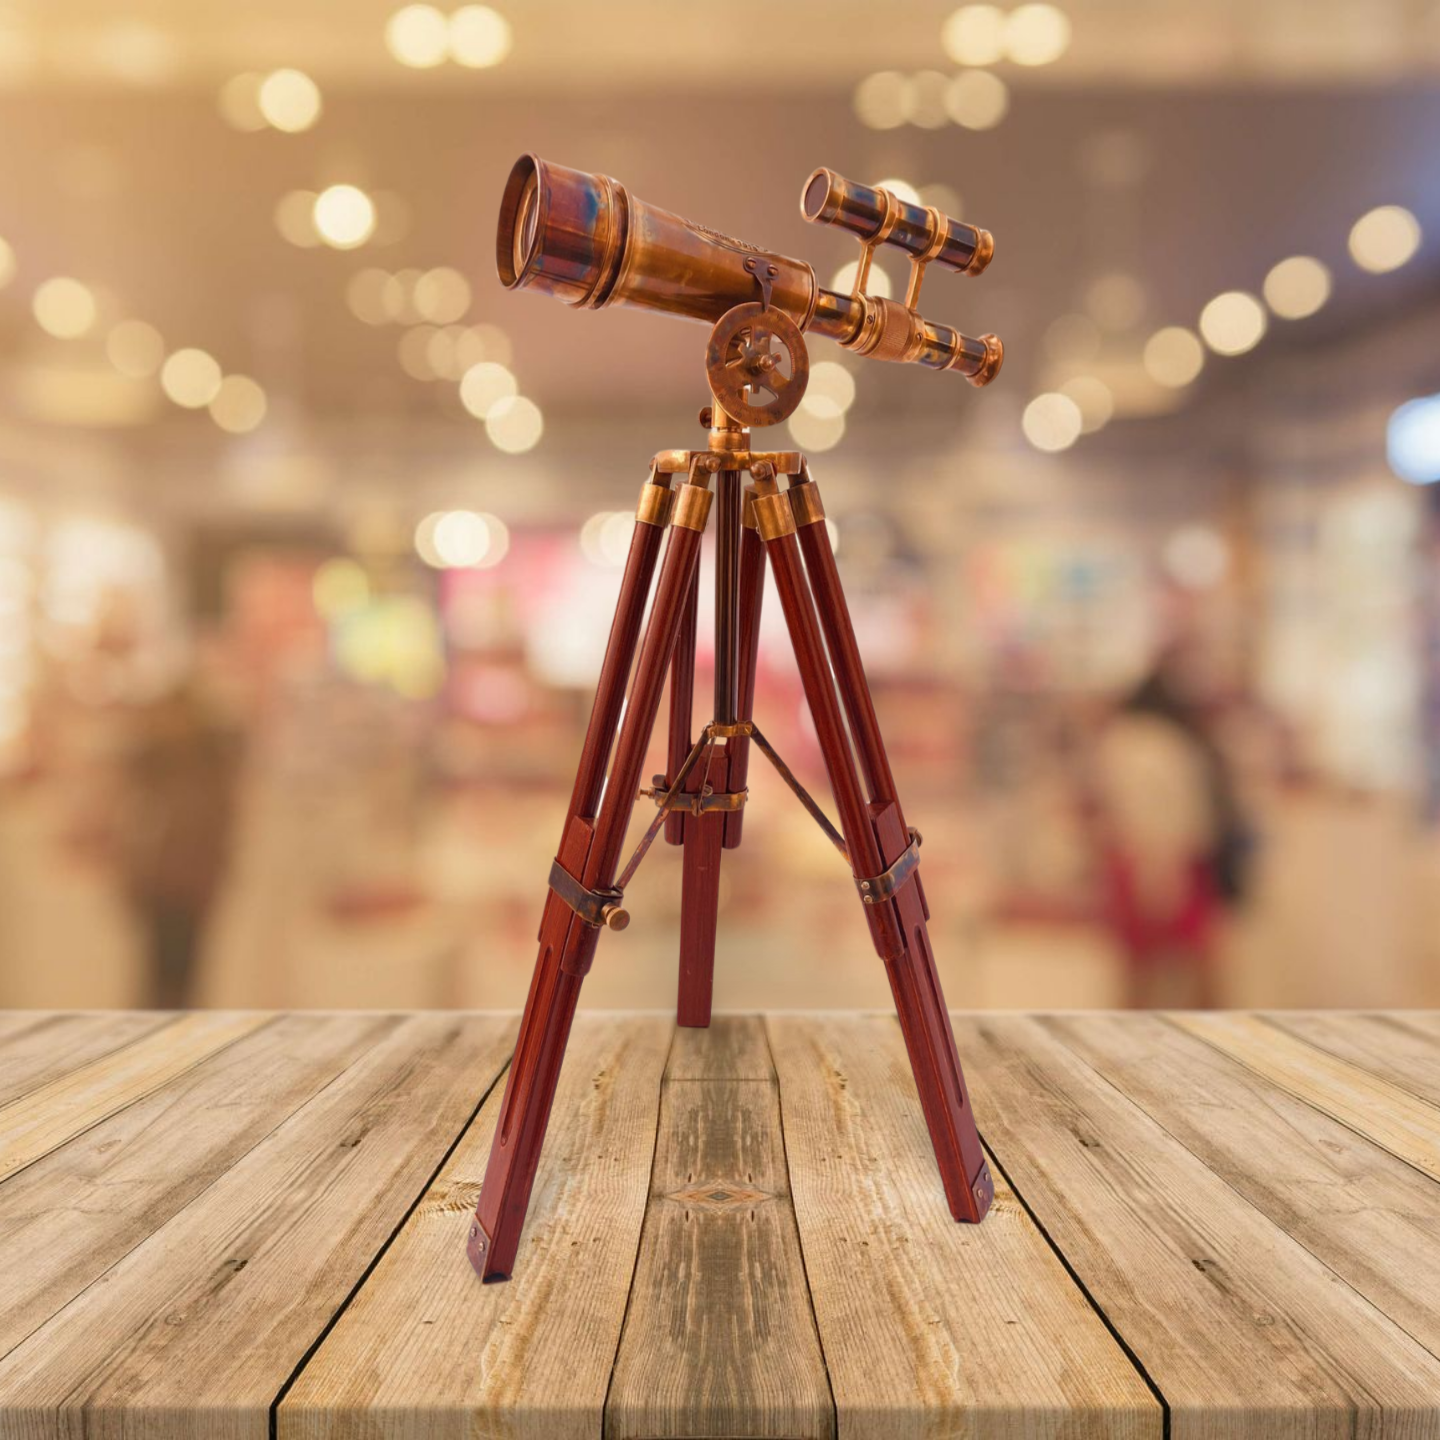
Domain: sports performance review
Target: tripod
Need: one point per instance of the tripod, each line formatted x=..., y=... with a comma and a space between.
x=700, y=800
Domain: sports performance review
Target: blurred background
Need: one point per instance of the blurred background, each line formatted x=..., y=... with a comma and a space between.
x=310, y=532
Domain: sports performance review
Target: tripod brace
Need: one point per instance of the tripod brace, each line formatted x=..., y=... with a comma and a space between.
x=701, y=797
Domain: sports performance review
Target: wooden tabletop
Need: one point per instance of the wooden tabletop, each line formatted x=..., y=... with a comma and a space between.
x=227, y=1225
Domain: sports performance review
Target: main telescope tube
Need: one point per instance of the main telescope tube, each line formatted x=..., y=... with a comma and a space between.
x=587, y=241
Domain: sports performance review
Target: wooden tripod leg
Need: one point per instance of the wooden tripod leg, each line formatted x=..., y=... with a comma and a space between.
x=707, y=836
x=752, y=594
x=875, y=838
x=737, y=575
x=682, y=704
x=700, y=897
x=589, y=854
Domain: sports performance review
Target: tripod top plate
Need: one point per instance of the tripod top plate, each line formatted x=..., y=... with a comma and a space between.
x=757, y=351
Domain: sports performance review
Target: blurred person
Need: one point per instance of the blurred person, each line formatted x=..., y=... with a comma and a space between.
x=1174, y=845
x=173, y=830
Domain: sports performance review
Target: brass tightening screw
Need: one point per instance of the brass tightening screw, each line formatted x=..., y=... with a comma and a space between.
x=614, y=917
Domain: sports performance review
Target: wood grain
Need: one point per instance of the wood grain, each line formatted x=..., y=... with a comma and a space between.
x=37, y=1047
x=69, y=1217
x=930, y=1328
x=733, y=1048
x=1370, y=1217
x=49, y=1115
x=719, y=1338
x=222, y=1226
x=1402, y=1047
x=1243, y=1331
x=197, y=1329
x=426, y=1350
x=1386, y=1113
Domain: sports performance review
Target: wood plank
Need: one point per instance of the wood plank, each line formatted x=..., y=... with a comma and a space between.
x=39, y=1046
x=1402, y=1047
x=70, y=1216
x=719, y=1338
x=425, y=1350
x=1384, y=1112
x=1371, y=1218
x=1243, y=1331
x=46, y=1117
x=930, y=1328
x=733, y=1048
x=198, y=1328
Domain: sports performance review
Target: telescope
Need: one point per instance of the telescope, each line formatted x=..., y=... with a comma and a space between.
x=586, y=240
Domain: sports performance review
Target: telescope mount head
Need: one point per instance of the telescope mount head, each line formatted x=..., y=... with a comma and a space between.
x=757, y=349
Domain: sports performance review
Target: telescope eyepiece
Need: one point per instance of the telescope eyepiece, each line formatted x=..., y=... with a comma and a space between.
x=877, y=216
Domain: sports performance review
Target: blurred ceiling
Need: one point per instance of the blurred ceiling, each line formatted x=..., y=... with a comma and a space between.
x=1182, y=148
x=807, y=45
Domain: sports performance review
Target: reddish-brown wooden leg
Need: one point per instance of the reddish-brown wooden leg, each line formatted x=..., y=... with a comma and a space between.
x=700, y=898
x=682, y=702
x=752, y=594
x=875, y=837
x=590, y=851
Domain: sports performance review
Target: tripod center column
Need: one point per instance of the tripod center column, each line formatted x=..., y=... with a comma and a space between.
x=727, y=434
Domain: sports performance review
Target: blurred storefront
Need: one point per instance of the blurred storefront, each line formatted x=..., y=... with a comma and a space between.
x=294, y=669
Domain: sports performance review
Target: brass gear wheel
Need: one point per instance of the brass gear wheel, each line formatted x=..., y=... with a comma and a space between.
x=743, y=364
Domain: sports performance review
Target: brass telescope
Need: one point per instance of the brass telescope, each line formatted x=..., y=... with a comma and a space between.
x=586, y=240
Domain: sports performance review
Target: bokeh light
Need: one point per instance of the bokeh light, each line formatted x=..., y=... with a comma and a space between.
x=974, y=35
x=1412, y=440
x=900, y=189
x=461, y=540
x=191, y=377
x=344, y=216
x=479, y=36
x=977, y=99
x=1052, y=422
x=816, y=432
x=605, y=537
x=441, y=295
x=1297, y=287
x=925, y=95
x=882, y=100
x=1036, y=34
x=418, y=36
x=239, y=405
x=878, y=282
x=7, y=263
x=1384, y=239
x=289, y=100
x=514, y=424
x=1233, y=323
x=135, y=348
x=484, y=385
x=1173, y=357
x=831, y=390
x=64, y=307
